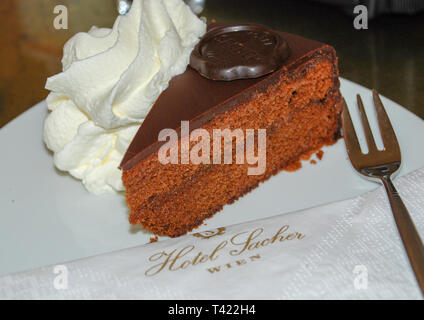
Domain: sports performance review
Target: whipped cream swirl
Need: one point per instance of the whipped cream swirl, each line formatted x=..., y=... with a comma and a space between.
x=110, y=80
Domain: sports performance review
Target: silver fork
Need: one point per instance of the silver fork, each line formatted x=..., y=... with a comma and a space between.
x=380, y=165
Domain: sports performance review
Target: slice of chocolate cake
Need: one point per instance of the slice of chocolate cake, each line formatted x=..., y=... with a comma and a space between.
x=240, y=77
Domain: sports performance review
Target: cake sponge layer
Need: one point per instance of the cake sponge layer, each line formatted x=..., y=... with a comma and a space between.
x=300, y=112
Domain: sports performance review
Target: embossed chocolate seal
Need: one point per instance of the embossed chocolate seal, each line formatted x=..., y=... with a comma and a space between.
x=239, y=52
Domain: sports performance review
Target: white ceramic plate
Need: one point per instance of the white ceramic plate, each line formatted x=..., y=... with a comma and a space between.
x=47, y=217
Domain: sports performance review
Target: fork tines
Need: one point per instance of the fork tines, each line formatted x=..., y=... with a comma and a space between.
x=386, y=130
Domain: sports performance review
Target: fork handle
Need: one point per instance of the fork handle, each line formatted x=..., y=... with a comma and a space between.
x=410, y=237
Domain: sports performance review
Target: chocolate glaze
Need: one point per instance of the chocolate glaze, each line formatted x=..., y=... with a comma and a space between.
x=190, y=96
x=239, y=52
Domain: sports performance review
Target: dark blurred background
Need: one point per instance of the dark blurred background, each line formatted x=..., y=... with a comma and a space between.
x=388, y=56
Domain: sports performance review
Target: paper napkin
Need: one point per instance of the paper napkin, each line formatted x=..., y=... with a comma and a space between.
x=344, y=250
